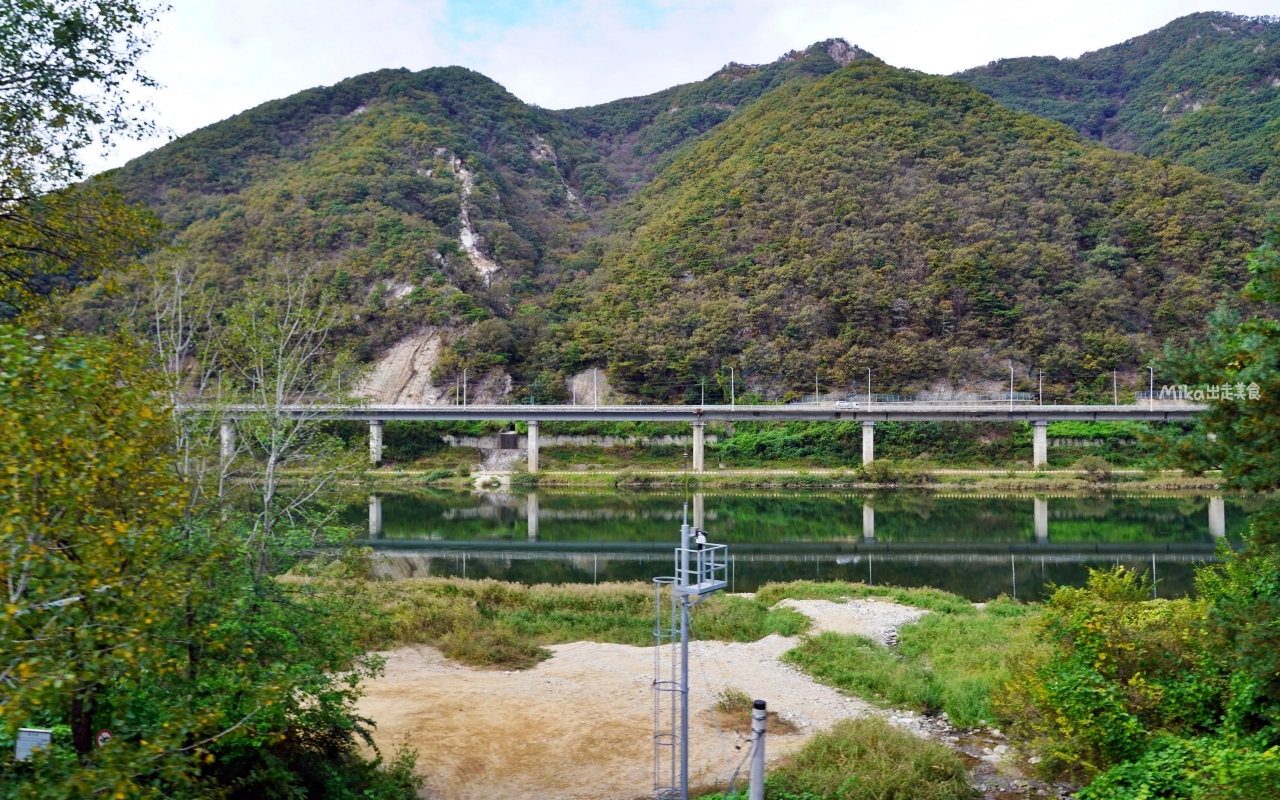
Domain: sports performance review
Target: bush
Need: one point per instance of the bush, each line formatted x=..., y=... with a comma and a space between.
x=1115, y=668
x=868, y=759
x=437, y=474
x=1197, y=769
x=1095, y=469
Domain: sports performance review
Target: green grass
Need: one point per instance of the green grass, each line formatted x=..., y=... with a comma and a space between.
x=839, y=591
x=953, y=662
x=490, y=623
x=867, y=759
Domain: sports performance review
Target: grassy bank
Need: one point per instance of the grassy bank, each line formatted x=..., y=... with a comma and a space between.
x=493, y=624
x=867, y=759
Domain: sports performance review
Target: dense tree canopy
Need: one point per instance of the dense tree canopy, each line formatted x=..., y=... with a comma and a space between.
x=1202, y=91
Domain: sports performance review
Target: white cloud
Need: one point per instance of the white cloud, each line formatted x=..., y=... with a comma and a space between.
x=219, y=57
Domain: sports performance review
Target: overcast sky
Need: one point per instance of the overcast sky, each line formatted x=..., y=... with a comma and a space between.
x=216, y=58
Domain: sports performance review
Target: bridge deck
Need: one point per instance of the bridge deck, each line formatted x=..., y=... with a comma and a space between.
x=888, y=412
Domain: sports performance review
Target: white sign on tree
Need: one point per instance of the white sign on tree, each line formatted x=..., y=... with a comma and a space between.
x=30, y=740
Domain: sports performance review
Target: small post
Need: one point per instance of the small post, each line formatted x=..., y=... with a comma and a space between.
x=868, y=442
x=375, y=441
x=758, y=720
x=699, y=429
x=533, y=447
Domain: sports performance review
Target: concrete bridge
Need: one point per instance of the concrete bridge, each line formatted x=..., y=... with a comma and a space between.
x=1039, y=416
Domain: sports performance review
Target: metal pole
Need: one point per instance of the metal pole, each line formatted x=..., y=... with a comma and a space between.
x=595, y=385
x=1151, y=390
x=1115, y=393
x=704, y=391
x=1041, y=387
x=1010, y=384
x=868, y=388
x=758, y=720
x=684, y=696
x=733, y=394
x=464, y=387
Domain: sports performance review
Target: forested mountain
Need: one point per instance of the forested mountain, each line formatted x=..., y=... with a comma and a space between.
x=1203, y=90
x=809, y=217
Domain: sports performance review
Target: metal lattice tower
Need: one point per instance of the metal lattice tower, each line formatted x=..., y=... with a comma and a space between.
x=701, y=571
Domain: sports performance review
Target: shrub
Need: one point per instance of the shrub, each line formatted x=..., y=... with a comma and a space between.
x=437, y=474
x=868, y=759
x=1095, y=469
x=1116, y=667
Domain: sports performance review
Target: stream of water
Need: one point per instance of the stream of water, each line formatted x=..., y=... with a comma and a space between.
x=978, y=546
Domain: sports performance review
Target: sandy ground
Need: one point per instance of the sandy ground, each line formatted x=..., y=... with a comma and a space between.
x=580, y=724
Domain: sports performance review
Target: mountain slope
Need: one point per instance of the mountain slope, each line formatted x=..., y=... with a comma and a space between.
x=1203, y=90
x=884, y=218
x=820, y=214
x=432, y=198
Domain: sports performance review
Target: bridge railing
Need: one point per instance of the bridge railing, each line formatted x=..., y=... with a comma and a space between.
x=950, y=398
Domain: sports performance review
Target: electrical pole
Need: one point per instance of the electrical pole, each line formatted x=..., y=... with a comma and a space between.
x=1041, y=387
x=733, y=395
x=868, y=388
x=704, y=391
x=1151, y=390
x=1010, y=384
x=464, y=387
x=1115, y=393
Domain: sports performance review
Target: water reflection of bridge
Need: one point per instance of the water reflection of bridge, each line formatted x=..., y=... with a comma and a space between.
x=533, y=514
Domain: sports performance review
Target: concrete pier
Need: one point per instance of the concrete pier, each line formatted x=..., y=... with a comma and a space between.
x=868, y=523
x=375, y=441
x=375, y=517
x=228, y=441
x=868, y=442
x=531, y=515
x=1042, y=520
x=699, y=510
x=1217, y=518
x=699, y=429
x=1040, y=448
x=533, y=447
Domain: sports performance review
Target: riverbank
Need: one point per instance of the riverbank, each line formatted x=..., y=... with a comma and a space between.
x=578, y=723
x=967, y=480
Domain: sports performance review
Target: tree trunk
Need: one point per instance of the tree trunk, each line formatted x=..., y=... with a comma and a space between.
x=82, y=720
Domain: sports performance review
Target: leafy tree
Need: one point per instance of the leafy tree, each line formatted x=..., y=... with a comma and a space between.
x=66, y=68
x=89, y=582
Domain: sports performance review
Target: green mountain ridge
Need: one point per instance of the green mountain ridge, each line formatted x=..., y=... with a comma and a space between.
x=1203, y=91
x=809, y=217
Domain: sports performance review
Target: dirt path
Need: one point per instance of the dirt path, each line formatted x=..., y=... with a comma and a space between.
x=580, y=725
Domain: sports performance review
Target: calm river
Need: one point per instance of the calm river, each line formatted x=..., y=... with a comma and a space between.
x=976, y=546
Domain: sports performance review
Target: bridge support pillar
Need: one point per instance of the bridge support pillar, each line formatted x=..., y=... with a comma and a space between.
x=1042, y=520
x=228, y=441
x=868, y=442
x=531, y=515
x=1040, y=445
x=698, y=429
x=699, y=510
x=533, y=447
x=1217, y=518
x=375, y=516
x=375, y=441
x=868, y=523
